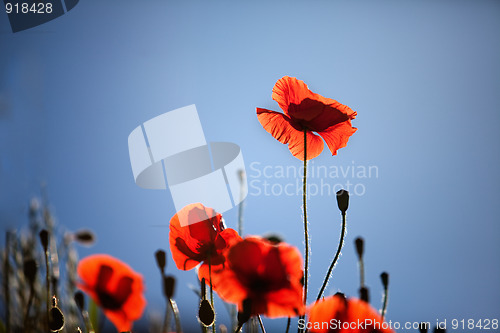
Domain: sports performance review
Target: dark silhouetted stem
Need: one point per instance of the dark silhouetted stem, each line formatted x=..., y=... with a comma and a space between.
x=361, y=273
x=334, y=261
x=385, y=281
x=47, y=283
x=288, y=322
x=261, y=324
x=306, y=233
x=238, y=329
x=28, y=307
x=211, y=290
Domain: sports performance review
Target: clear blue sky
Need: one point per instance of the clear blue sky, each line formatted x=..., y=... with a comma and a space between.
x=424, y=77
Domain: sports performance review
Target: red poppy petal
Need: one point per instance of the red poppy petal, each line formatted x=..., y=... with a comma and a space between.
x=226, y=283
x=279, y=126
x=119, y=319
x=336, y=137
x=290, y=90
x=285, y=303
x=323, y=311
x=246, y=257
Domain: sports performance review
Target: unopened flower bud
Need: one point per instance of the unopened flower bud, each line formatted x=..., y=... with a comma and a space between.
x=385, y=279
x=343, y=200
x=161, y=260
x=206, y=313
x=44, y=239
x=360, y=246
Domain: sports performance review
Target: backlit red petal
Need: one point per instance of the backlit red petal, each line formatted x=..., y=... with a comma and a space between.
x=280, y=127
x=336, y=137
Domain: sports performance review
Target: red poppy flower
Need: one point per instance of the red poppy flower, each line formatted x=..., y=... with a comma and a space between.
x=115, y=287
x=267, y=275
x=200, y=241
x=340, y=315
x=306, y=111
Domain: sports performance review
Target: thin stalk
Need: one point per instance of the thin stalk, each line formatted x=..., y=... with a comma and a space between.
x=261, y=324
x=211, y=290
x=241, y=205
x=166, y=320
x=87, y=321
x=238, y=329
x=306, y=233
x=177, y=318
x=28, y=307
x=384, y=306
x=334, y=261
x=47, y=284
x=361, y=272
x=288, y=322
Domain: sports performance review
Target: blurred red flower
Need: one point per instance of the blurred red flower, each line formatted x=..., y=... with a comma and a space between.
x=340, y=315
x=115, y=287
x=269, y=276
x=306, y=111
x=199, y=242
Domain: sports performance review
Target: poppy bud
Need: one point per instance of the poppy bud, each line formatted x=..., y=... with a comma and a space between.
x=274, y=239
x=56, y=317
x=245, y=315
x=422, y=328
x=206, y=313
x=169, y=286
x=343, y=200
x=385, y=279
x=80, y=300
x=30, y=269
x=44, y=239
x=360, y=246
x=84, y=237
x=161, y=260
x=364, y=294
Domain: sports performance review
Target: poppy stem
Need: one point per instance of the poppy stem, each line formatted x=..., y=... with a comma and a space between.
x=28, y=307
x=211, y=290
x=261, y=324
x=6, y=284
x=288, y=322
x=238, y=329
x=177, y=318
x=385, y=281
x=306, y=233
x=334, y=261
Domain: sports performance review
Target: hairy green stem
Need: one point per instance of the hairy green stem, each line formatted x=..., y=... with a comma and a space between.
x=334, y=261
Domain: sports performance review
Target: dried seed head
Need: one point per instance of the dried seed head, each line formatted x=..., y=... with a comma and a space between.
x=246, y=312
x=84, y=237
x=360, y=246
x=364, y=294
x=161, y=260
x=385, y=279
x=56, y=317
x=44, y=239
x=343, y=200
x=206, y=313
x=80, y=300
x=169, y=286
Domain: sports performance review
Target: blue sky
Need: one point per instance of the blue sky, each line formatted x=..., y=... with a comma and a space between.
x=423, y=76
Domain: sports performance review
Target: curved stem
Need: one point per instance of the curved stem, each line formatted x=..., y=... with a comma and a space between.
x=334, y=261
x=306, y=233
x=261, y=324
